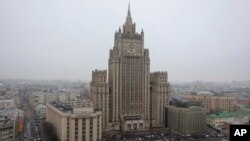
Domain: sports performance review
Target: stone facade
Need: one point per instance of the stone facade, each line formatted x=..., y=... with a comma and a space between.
x=214, y=103
x=159, y=97
x=74, y=124
x=125, y=99
x=186, y=120
x=100, y=94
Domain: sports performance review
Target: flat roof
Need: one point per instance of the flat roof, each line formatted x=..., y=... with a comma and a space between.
x=8, y=112
x=40, y=106
x=205, y=93
x=61, y=106
x=226, y=114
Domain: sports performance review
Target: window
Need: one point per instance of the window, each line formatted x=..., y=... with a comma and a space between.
x=141, y=126
x=135, y=126
x=129, y=126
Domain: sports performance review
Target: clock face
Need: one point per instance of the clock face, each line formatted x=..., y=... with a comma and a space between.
x=131, y=48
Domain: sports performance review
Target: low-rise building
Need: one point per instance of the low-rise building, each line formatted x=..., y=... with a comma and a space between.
x=78, y=103
x=213, y=103
x=7, y=104
x=218, y=120
x=47, y=97
x=74, y=123
x=7, y=129
x=185, y=118
x=10, y=119
x=40, y=111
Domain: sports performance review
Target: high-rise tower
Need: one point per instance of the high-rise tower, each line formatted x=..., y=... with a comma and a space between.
x=129, y=103
x=129, y=76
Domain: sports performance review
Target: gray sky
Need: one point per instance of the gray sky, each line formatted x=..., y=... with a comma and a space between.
x=62, y=39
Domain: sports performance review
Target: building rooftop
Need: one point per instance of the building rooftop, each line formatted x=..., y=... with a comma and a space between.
x=79, y=103
x=61, y=106
x=233, y=122
x=5, y=122
x=205, y=93
x=180, y=101
x=223, y=114
x=226, y=114
x=7, y=112
x=73, y=111
x=10, y=113
x=40, y=106
x=7, y=101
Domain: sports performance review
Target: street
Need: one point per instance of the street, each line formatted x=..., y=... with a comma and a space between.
x=27, y=125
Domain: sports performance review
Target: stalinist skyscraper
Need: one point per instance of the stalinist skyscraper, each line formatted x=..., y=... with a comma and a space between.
x=131, y=98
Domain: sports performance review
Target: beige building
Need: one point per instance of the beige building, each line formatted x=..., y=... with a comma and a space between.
x=45, y=97
x=123, y=93
x=74, y=124
x=100, y=95
x=213, y=103
x=7, y=104
x=78, y=102
x=41, y=98
x=186, y=120
x=159, y=97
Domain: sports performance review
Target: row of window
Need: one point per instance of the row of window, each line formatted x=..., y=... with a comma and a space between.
x=134, y=126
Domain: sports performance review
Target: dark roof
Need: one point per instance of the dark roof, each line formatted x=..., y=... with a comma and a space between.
x=61, y=106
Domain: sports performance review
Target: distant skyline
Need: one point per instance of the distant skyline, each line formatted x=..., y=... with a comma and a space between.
x=197, y=40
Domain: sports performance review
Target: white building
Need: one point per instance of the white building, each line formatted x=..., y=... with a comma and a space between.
x=40, y=111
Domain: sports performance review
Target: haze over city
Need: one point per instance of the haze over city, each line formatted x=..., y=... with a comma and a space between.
x=193, y=40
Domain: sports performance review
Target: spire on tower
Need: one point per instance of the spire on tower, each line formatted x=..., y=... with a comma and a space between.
x=129, y=14
x=129, y=27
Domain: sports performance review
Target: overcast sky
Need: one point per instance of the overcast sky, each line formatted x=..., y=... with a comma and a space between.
x=205, y=40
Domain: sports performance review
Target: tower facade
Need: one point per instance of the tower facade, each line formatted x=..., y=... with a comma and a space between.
x=130, y=99
x=129, y=76
x=159, y=89
x=99, y=90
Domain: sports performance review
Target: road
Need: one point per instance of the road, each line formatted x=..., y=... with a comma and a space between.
x=27, y=125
